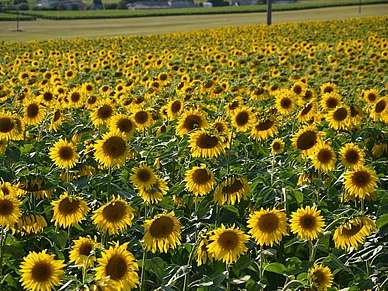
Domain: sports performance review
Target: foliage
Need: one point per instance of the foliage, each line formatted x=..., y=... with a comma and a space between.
x=73, y=90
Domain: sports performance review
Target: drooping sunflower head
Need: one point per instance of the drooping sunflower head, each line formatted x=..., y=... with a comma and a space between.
x=69, y=210
x=162, y=232
x=114, y=216
x=360, y=181
x=30, y=223
x=200, y=180
x=353, y=232
x=120, y=266
x=267, y=226
x=228, y=244
x=202, y=252
x=40, y=271
x=206, y=144
x=307, y=223
x=190, y=120
x=230, y=190
x=321, y=276
x=63, y=154
x=112, y=150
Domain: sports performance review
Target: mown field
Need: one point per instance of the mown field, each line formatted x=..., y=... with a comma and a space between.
x=233, y=158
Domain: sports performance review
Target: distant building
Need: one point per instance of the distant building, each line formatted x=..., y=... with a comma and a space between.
x=61, y=4
x=143, y=4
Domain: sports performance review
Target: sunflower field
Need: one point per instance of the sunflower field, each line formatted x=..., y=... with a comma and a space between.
x=246, y=158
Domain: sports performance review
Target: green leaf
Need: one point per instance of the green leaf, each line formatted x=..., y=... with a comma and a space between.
x=382, y=220
x=277, y=268
x=242, y=263
x=180, y=272
x=337, y=262
x=241, y=280
x=155, y=265
x=218, y=279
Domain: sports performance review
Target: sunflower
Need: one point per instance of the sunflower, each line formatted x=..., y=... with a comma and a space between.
x=82, y=252
x=379, y=110
x=9, y=210
x=40, y=271
x=236, y=103
x=353, y=232
x=267, y=226
x=370, y=96
x=203, y=254
x=324, y=158
x=191, y=119
x=205, y=144
x=328, y=88
x=56, y=119
x=379, y=150
x=277, y=146
x=34, y=186
x=142, y=119
x=339, y=117
x=69, y=210
x=351, y=155
x=331, y=101
x=199, y=180
x=230, y=190
x=307, y=223
x=299, y=88
x=120, y=266
x=103, y=113
x=47, y=96
x=33, y=112
x=174, y=108
x=7, y=188
x=112, y=150
x=306, y=139
x=30, y=223
x=114, y=217
x=360, y=181
x=155, y=193
x=124, y=124
x=143, y=177
x=307, y=112
x=227, y=244
x=63, y=154
x=265, y=128
x=322, y=277
x=242, y=118
x=356, y=115
x=11, y=127
x=162, y=232
x=286, y=101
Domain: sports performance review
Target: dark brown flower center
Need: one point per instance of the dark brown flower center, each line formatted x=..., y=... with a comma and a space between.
x=125, y=125
x=307, y=221
x=162, y=227
x=66, y=153
x=191, y=122
x=176, y=106
x=117, y=267
x=285, y=103
x=332, y=102
x=6, y=124
x=307, y=140
x=268, y=223
x=114, y=147
x=6, y=207
x=361, y=178
x=41, y=272
x=340, y=114
x=380, y=106
x=85, y=249
x=228, y=240
x=233, y=187
x=105, y=112
x=206, y=141
x=201, y=176
x=325, y=156
x=114, y=212
x=351, y=156
x=141, y=117
x=264, y=125
x=68, y=206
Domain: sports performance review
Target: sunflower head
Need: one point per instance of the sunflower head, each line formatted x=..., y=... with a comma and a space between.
x=321, y=276
x=307, y=223
x=63, y=154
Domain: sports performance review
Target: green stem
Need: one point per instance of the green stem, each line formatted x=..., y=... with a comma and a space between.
x=3, y=238
x=108, y=187
x=313, y=250
x=142, y=275
x=291, y=282
x=227, y=277
x=261, y=273
x=272, y=169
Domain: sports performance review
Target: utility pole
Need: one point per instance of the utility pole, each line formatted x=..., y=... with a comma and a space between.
x=269, y=11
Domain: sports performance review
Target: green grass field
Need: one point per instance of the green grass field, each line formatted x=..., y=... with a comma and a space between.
x=92, y=28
